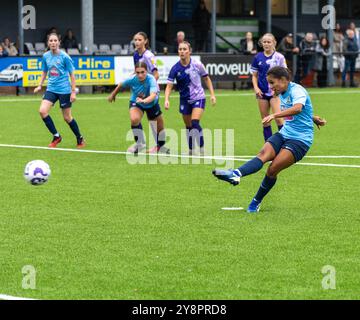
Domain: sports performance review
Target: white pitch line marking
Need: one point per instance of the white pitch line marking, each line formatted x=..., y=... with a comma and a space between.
x=232, y=208
x=234, y=158
x=6, y=297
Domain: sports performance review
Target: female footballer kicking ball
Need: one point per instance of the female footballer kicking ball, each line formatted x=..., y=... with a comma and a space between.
x=144, y=99
x=285, y=147
x=58, y=66
x=188, y=73
x=261, y=63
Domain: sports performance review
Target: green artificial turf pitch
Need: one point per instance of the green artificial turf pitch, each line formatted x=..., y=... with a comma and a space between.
x=102, y=228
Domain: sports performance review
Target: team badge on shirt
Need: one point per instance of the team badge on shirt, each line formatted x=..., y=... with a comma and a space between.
x=54, y=72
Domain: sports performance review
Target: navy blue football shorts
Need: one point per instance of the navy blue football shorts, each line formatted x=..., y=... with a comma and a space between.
x=152, y=112
x=296, y=147
x=64, y=99
x=187, y=107
x=264, y=97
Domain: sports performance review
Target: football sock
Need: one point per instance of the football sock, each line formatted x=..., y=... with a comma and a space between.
x=197, y=131
x=189, y=137
x=279, y=127
x=161, y=138
x=51, y=126
x=75, y=128
x=265, y=187
x=250, y=167
x=138, y=133
x=267, y=132
x=153, y=125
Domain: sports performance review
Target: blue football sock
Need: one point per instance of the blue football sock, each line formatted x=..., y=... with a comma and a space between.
x=75, y=128
x=138, y=133
x=250, y=167
x=197, y=129
x=189, y=137
x=50, y=125
x=267, y=132
x=265, y=187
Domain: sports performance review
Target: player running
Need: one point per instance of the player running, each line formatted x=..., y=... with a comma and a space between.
x=261, y=63
x=188, y=73
x=58, y=66
x=144, y=98
x=286, y=147
x=143, y=54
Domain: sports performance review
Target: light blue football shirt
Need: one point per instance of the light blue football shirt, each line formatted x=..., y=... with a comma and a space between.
x=298, y=127
x=142, y=89
x=58, y=67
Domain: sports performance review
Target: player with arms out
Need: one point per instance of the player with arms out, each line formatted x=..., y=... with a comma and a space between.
x=58, y=66
x=188, y=73
x=143, y=54
x=144, y=98
x=286, y=147
x=261, y=63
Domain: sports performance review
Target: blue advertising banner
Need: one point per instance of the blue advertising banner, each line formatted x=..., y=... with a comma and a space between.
x=11, y=71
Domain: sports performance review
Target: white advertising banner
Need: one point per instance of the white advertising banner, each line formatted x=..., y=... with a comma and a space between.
x=124, y=67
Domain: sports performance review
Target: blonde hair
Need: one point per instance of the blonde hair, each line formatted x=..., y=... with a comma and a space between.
x=268, y=35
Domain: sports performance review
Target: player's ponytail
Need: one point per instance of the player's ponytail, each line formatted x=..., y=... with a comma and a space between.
x=279, y=72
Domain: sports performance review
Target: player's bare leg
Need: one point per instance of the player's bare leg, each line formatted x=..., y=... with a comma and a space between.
x=135, y=119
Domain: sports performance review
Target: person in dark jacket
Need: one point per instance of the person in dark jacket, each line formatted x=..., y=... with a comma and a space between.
x=69, y=40
x=287, y=48
x=322, y=61
x=307, y=54
x=201, y=24
x=248, y=45
x=351, y=51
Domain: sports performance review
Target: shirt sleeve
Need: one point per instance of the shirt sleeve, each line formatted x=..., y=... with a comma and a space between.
x=153, y=86
x=299, y=96
x=127, y=83
x=172, y=75
x=151, y=62
x=254, y=65
x=283, y=62
x=202, y=70
x=69, y=63
x=44, y=66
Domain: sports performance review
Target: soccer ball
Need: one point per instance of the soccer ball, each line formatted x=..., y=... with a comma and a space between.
x=37, y=172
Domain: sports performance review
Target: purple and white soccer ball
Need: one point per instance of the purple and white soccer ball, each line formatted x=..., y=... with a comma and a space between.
x=37, y=172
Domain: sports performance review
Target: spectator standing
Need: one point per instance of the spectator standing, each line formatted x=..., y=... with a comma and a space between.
x=201, y=24
x=70, y=41
x=338, y=47
x=287, y=48
x=352, y=27
x=180, y=38
x=351, y=51
x=307, y=54
x=9, y=47
x=322, y=61
x=248, y=45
